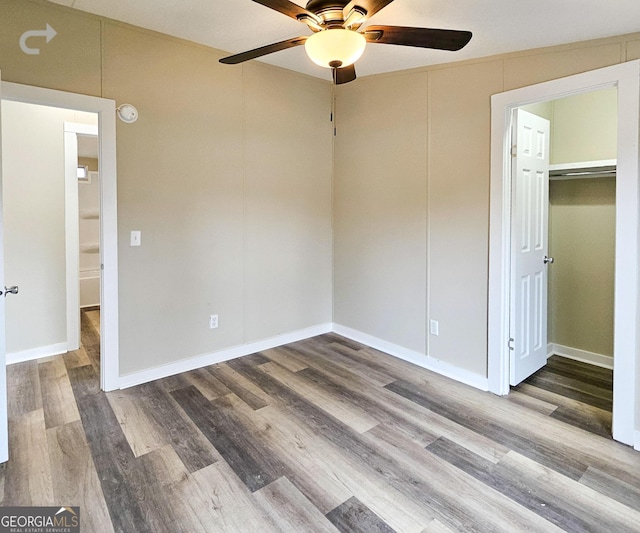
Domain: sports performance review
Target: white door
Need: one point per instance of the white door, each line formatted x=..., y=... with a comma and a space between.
x=529, y=245
x=4, y=429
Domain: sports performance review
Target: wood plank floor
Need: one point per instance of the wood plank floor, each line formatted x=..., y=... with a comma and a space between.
x=319, y=435
x=582, y=394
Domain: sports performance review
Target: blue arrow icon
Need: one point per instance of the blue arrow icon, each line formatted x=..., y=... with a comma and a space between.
x=49, y=33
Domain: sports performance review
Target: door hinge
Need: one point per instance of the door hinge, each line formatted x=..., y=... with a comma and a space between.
x=514, y=151
x=511, y=345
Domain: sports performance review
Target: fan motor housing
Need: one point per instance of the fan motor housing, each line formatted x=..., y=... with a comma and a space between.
x=328, y=10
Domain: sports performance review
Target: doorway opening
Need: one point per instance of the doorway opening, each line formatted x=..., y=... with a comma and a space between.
x=82, y=223
x=89, y=238
x=107, y=240
x=89, y=220
x=577, y=358
x=626, y=78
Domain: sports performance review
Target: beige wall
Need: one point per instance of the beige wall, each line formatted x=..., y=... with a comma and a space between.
x=69, y=62
x=90, y=162
x=228, y=226
x=230, y=185
x=34, y=223
x=544, y=110
x=581, y=281
x=453, y=136
x=381, y=208
x=584, y=127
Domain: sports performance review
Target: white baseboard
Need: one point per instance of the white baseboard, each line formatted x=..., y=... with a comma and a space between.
x=36, y=353
x=417, y=358
x=583, y=356
x=227, y=354
x=193, y=363
x=636, y=440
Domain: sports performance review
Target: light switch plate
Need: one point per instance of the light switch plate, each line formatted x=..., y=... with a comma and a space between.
x=136, y=238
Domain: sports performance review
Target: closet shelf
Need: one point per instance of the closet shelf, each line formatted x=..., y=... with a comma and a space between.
x=605, y=168
x=90, y=248
x=89, y=215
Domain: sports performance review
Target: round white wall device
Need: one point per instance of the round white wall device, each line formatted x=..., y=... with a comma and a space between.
x=127, y=113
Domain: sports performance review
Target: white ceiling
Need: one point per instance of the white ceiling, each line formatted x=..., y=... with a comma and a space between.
x=498, y=26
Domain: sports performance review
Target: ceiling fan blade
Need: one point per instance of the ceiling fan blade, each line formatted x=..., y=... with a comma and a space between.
x=370, y=6
x=263, y=51
x=344, y=74
x=421, y=37
x=288, y=8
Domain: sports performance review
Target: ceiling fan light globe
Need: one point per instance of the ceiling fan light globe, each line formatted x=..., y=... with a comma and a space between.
x=335, y=45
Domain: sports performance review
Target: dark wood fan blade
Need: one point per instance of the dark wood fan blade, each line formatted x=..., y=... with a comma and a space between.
x=263, y=51
x=288, y=8
x=344, y=74
x=371, y=6
x=421, y=37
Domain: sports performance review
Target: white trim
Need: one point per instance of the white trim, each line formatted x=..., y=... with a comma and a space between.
x=596, y=359
x=72, y=230
x=636, y=441
x=193, y=363
x=417, y=358
x=584, y=164
x=106, y=110
x=4, y=426
x=626, y=77
x=605, y=168
x=89, y=130
x=200, y=361
x=36, y=353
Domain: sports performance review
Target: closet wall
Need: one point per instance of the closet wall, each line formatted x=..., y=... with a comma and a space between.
x=581, y=281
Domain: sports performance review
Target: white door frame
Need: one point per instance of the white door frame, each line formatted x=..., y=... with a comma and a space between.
x=106, y=110
x=4, y=422
x=72, y=229
x=626, y=77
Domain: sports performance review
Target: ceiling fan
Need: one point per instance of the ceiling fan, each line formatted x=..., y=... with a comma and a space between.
x=338, y=40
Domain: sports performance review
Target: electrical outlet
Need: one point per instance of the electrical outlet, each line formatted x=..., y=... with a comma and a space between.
x=433, y=327
x=213, y=321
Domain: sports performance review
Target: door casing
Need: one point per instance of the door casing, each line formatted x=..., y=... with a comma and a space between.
x=106, y=110
x=4, y=425
x=626, y=78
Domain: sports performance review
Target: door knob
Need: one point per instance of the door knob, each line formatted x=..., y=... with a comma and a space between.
x=547, y=260
x=10, y=290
